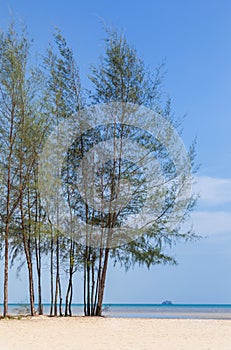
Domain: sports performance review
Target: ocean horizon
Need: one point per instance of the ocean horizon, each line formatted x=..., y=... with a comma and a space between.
x=120, y=310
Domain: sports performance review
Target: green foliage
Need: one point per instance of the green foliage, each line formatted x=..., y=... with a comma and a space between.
x=122, y=76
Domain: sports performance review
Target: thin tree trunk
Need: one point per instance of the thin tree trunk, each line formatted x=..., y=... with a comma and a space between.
x=38, y=252
x=92, y=284
x=30, y=273
x=69, y=293
x=84, y=285
x=97, y=283
x=57, y=278
x=68, y=311
x=38, y=266
x=6, y=240
x=40, y=306
x=102, y=284
x=88, y=283
x=58, y=291
x=6, y=270
x=29, y=262
x=70, y=299
x=51, y=273
x=60, y=299
x=67, y=299
x=69, y=289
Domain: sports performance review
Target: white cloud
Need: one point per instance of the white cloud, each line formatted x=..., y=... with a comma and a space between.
x=213, y=191
x=215, y=197
x=207, y=223
x=212, y=220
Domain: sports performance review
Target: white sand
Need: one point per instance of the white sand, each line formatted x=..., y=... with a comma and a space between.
x=107, y=333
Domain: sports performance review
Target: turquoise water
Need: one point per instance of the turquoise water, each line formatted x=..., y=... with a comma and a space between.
x=192, y=311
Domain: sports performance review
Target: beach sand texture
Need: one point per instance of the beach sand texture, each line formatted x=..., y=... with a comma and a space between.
x=82, y=333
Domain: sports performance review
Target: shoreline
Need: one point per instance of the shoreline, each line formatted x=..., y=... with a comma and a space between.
x=150, y=311
x=180, y=317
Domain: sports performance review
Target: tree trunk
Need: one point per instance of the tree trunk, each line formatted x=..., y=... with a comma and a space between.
x=6, y=271
x=30, y=273
x=6, y=240
x=84, y=286
x=102, y=284
x=60, y=299
x=68, y=311
x=29, y=261
x=88, y=284
x=58, y=291
x=70, y=299
x=38, y=251
x=67, y=299
x=51, y=273
x=38, y=266
x=31, y=287
x=92, y=284
x=40, y=306
x=57, y=278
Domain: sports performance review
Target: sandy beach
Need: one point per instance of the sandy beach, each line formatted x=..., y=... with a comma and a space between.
x=114, y=333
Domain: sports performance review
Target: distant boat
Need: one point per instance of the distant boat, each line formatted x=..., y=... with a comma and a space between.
x=167, y=302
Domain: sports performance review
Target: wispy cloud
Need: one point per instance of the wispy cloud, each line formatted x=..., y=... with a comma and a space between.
x=208, y=223
x=213, y=191
x=213, y=214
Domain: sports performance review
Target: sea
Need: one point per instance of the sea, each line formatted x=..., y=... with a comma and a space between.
x=174, y=311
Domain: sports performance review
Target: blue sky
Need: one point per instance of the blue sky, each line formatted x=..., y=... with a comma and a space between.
x=193, y=37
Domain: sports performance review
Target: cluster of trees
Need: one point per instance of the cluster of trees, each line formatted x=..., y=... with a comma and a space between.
x=34, y=99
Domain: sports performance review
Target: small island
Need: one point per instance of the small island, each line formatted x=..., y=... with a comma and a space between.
x=167, y=302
